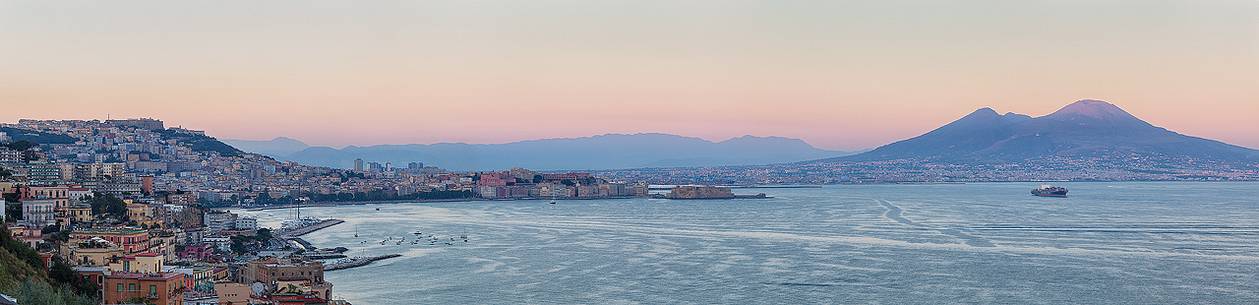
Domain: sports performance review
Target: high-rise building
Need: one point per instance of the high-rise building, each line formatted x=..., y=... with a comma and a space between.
x=415, y=166
x=44, y=174
x=358, y=165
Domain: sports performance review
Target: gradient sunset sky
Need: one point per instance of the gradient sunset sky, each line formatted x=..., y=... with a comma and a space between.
x=839, y=74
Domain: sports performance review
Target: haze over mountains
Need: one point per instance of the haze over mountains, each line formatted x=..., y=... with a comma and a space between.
x=1086, y=129
x=610, y=151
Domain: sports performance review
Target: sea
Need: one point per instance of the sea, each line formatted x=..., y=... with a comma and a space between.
x=985, y=243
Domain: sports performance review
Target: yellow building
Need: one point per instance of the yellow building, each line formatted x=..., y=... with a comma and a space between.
x=93, y=252
x=80, y=213
x=148, y=263
x=142, y=214
x=232, y=293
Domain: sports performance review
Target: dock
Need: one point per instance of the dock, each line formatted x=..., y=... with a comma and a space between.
x=357, y=262
x=311, y=228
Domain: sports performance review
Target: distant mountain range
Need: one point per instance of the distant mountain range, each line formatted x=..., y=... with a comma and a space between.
x=610, y=151
x=280, y=146
x=1082, y=130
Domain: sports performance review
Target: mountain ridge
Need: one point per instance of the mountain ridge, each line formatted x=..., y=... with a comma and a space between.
x=596, y=152
x=1083, y=129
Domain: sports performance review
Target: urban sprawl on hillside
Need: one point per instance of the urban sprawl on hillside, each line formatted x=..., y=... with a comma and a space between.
x=131, y=207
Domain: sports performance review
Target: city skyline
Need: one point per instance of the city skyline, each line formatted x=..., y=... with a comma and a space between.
x=432, y=71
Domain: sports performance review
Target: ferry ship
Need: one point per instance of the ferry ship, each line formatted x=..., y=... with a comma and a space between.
x=1050, y=191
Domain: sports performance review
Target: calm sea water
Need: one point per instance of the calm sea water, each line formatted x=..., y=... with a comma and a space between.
x=1110, y=243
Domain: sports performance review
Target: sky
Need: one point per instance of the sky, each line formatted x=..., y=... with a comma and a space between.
x=838, y=74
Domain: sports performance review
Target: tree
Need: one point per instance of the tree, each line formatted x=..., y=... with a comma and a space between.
x=13, y=211
x=238, y=245
x=106, y=204
x=62, y=273
x=263, y=234
x=20, y=249
x=263, y=198
x=34, y=291
x=20, y=145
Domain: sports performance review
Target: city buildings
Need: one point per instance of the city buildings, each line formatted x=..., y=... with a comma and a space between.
x=274, y=272
x=157, y=288
x=139, y=208
x=131, y=240
x=219, y=220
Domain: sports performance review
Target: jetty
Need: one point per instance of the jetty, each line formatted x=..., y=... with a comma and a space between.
x=298, y=232
x=357, y=262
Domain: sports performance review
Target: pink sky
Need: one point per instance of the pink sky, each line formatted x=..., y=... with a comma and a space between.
x=839, y=75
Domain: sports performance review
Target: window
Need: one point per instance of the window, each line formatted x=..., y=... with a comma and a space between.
x=131, y=287
x=119, y=287
x=152, y=290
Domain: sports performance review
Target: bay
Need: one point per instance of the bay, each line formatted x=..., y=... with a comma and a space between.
x=1108, y=243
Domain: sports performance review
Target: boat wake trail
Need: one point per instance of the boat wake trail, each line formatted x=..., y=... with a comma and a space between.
x=893, y=212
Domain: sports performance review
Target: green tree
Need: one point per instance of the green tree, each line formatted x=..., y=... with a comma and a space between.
x=263, y=234
x=20, y=145
x=61, y=272
x=106, y=204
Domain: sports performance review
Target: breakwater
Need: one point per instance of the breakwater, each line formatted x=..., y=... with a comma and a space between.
x=311, y=228
x=357, y=262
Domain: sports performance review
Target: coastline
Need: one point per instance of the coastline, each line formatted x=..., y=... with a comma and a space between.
x=345, y=203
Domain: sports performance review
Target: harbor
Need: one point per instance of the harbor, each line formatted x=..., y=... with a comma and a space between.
x=310, y=226
x=357, y=262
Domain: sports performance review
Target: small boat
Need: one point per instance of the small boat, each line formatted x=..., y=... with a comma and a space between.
x=1050, y=191
x=552, y=201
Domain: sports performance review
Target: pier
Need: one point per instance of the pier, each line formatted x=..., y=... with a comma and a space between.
x=311, y=228
x=357, y=262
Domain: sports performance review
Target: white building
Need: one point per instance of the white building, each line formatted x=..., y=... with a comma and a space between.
x=247, y=223
x=222, y=243
x=216, y=221
x=39, y=212
x=3, y=207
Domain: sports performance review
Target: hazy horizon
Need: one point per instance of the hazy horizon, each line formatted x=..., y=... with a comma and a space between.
x=840, y=75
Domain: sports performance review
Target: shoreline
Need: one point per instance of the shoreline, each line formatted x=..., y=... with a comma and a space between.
x=348, y=203
x=812, y=186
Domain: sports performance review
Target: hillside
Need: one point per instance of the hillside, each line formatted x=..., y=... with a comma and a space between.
x=17, y=134
x=22, y=277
